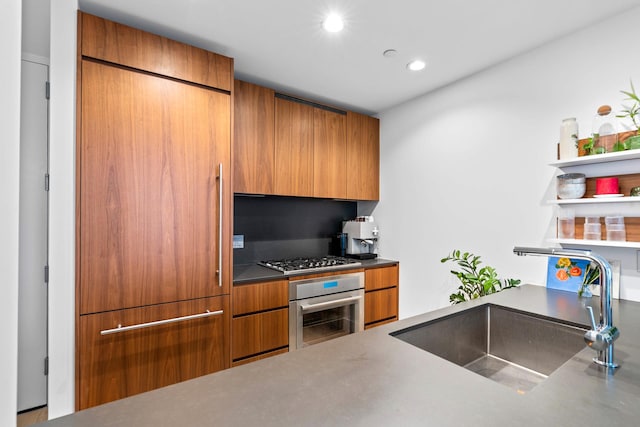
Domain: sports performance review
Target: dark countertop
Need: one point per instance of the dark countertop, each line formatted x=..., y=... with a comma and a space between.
x=373, y=379
x=248, y=273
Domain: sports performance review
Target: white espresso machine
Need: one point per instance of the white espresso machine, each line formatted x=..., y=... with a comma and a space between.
x=362, y=238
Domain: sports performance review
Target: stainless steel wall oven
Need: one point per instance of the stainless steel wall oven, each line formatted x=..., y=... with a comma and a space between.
x=324, y=308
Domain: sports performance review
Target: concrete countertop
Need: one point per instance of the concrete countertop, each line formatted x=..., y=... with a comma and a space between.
x=250, y=273
x=371, y=379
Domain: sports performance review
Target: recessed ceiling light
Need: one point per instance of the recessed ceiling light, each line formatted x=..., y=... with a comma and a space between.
x=333, y=23
x=416, y=65
x=390, y=53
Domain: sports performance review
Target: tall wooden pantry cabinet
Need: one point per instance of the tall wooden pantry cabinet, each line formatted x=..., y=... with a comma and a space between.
x=153, y=211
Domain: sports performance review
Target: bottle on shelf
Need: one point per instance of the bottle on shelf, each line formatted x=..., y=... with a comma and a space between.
x=569, y=139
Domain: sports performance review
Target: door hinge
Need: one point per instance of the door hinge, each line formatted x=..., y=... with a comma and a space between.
x=46, y=182
x=46, y=365
x=46, y=274
x=47, y=90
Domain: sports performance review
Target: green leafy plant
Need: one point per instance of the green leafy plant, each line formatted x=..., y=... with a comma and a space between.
x=632, y=112
x=475, y=281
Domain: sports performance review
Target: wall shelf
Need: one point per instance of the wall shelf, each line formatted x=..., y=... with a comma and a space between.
x=606, y=243
x=593, y=200
x=598, y=158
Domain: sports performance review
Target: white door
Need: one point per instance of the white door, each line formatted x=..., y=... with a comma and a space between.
x=32, y=304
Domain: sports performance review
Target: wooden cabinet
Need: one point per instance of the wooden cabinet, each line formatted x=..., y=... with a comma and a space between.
x=153, y=209
x=293, y=148
x=329, y=154
x=381, y=295
x=253, y=139
x=125, y=363
x=362, y=168
x=148, y=195
x=260, y=325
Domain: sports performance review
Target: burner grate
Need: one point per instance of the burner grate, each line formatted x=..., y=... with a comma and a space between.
x=296, y=265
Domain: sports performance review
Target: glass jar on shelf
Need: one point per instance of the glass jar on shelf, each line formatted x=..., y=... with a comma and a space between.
x=604, y=131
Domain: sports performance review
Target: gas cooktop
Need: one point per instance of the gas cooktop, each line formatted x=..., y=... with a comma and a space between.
x=298, y=265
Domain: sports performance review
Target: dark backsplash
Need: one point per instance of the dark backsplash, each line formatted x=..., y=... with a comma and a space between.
x=286, y=227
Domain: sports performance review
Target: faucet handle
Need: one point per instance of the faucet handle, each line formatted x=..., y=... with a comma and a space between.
x=591, y=318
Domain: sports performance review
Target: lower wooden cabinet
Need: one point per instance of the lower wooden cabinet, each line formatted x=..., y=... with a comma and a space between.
x=381, y=295
x=260, y=333
x=260, y=325
x=128, y=362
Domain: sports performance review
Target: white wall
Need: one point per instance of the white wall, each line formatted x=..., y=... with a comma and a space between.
x=10, y=51
x=62, y=209
x=466, y=167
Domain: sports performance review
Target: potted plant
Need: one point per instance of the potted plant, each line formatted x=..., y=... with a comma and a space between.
x=475, y=281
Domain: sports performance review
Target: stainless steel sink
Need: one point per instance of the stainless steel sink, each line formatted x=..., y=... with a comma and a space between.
x=513, y=348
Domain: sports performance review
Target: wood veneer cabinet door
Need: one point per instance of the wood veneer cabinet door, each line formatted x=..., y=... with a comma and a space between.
x=253, y=139
x=125, y=363
x=329, y=154
x=380, y=305
x=294, y=149
x=257, y=333
x=362, y=169
x=149, y=155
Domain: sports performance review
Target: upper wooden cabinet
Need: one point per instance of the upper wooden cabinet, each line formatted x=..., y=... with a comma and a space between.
x=329, y=154
x=363, y=157
x=253, y=139
x=119, y=44
x=293, y=148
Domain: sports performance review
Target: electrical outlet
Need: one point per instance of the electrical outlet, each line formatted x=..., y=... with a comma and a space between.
x=238, y=241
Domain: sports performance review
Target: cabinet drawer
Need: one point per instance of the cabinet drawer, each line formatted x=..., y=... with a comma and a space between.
x=260, y=297
x=125, y=363
x=380, y=278
x=380, y=305
x=258, y=333
x=259, y=357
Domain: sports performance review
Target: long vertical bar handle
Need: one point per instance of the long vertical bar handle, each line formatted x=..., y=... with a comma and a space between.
x=591, y=318
x=220, y=207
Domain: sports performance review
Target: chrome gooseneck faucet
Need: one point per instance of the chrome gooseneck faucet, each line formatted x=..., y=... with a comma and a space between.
x=602, y=335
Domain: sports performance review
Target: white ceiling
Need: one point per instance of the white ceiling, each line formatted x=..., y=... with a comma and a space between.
x=280, y=44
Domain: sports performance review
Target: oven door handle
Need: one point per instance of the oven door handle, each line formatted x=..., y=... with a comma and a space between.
x=329, y=304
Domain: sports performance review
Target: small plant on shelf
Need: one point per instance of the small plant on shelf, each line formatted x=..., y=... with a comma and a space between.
x=631, y=112
x=475, y=281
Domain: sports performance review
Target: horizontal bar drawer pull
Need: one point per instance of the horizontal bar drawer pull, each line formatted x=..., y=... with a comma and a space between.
x=328, y=304
x=121, y=328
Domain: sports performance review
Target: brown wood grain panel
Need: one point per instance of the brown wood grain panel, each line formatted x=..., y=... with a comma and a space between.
x=123, y=364
x=293, y=149
x=256, y=297
x=362, y=169
x=113, y=42
x=329, y=154
x=380, y=305
x=257, y=333
x=149, y=153
x=253, y=139
x=631, y=223
x=625, y=183
x=259, y=357
x=380, y=278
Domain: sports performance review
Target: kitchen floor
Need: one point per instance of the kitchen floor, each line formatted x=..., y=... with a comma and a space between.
x=32, y=417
